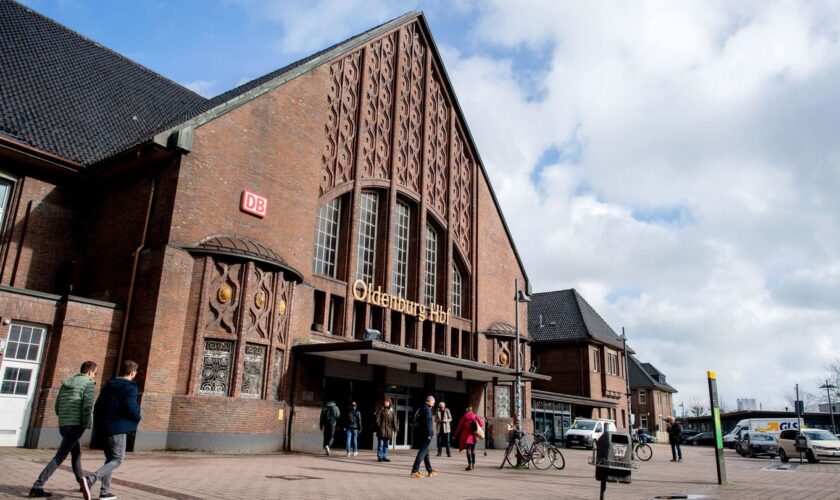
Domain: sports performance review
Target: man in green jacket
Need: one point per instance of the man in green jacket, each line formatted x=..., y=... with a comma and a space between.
x=74, y=407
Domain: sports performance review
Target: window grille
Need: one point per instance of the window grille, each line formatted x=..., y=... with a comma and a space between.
x=401, y=228
x=457, y=290
x=326, y=238
x=366, y=263
x=252, y=371
x=215, y=368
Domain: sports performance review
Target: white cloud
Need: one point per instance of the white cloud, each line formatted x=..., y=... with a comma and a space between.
x=724, y=112
x=206, y=88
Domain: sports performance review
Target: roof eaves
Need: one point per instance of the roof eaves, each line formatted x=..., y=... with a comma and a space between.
x=283, y=78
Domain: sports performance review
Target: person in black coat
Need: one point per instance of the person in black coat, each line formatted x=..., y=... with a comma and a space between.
x=353, y=426
x=425, y=432
x=674, y=434
x=115, y=414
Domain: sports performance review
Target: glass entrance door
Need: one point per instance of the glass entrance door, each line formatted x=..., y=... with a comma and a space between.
x=402, y=441
x=18, y=378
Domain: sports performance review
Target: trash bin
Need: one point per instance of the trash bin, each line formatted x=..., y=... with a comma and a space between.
x=613, y=458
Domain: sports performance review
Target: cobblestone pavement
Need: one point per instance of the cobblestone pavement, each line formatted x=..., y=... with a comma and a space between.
x=200, y=475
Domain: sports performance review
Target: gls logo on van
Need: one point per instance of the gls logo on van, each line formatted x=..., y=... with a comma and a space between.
x=788, y=425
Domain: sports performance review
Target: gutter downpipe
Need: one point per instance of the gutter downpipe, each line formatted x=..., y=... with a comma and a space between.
x=133, y=280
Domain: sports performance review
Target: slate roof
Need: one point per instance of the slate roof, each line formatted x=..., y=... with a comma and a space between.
x=66, y=94
x=567, y=316
x=643, y=375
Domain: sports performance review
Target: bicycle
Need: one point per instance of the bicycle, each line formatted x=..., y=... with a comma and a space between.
x=525, y=454
x=553, y=453
x=642, y=451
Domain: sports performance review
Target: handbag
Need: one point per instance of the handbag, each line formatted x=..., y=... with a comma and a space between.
x=478, y=431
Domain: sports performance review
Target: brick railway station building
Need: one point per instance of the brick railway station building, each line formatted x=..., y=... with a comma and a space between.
x=310, y=235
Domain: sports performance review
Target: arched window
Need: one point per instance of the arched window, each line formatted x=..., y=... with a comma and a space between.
x=457, y=291
x=431, y=267
x=326, y=239
x=402, y=223
x=368, y=215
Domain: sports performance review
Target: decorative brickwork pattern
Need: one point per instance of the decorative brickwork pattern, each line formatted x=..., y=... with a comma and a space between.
x=338, y=156
x=376, y=119
x=224, y=297
x=437, y=145
x=258, y=319
x=412, y=56
x=462, y=194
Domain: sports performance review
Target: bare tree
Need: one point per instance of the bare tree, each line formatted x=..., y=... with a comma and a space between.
x=696, y=406
x=833, y=378
x=809, y=399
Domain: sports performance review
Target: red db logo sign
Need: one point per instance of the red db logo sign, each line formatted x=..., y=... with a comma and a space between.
x=254, y=204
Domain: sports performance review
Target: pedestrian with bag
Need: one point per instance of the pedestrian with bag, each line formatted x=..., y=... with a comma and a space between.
x=674, y=435
x=470, y=429
x=424, y=430
x=74, y=407
x=353, y=426
x=386, y=428
x=443, y=425
x=115, y=414
x=329, y=418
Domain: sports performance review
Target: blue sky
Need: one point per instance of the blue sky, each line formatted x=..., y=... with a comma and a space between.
x=676, y=162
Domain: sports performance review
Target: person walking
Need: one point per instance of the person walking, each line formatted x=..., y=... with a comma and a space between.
x=465, y=434
x=443, y=426
x=674, y=434
x=352, y=428
x=115, y=414
x=74, y=407
x=424, y=430
x=329, y=418
x=386, y=427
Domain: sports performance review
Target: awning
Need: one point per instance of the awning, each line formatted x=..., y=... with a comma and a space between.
x=557, y=397
x=375, y=352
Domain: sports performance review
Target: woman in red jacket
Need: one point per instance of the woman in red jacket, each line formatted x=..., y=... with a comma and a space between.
x=465, y=433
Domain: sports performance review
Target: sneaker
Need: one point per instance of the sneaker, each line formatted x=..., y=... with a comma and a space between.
x=108, y=496
x=348, y=454
x=416, y=475
x=378, y=459
x=38, y=493
x=432, y=474
x=679, y=460
x=327, y=449
x=355, y=453
x=86, y=483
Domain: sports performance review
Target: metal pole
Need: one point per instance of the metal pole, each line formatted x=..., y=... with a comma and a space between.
x=715, y=406
x=828, y=388
x=518, y=376
x=627, y=379
x=798, y=424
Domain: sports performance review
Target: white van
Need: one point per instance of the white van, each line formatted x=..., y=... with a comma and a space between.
x=586, y=431
x=772, y=426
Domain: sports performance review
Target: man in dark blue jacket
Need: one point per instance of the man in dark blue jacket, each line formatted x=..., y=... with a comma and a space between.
x=115, y=414
x=425, y=431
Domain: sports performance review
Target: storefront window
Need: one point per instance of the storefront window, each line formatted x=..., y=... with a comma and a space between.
x=326, y=239
x=366, y=263
x=401, y=228
x=215, y=367
x=430, y=281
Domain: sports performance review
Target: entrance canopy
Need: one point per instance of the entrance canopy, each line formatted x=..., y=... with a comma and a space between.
x=375, y=352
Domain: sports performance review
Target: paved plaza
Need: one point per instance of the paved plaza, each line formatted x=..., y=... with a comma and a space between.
x=199, y=475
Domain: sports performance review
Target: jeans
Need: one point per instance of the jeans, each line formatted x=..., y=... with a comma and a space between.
x=676, y=452
x=443, y=441
x=382, y=445
x=470, y=454
x=114, y=455
x=329, y=434
x=70, y=435
x=423, y=455
x=352, y=439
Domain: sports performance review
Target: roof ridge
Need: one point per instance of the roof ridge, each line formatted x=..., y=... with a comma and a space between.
x=100, y=46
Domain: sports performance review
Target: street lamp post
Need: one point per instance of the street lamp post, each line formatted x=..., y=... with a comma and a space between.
x=828, y=387
x=518, y=297
x=627, y=379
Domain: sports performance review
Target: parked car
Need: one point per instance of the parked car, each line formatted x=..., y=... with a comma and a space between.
x=586, y=431
x=817, y=444
x=702, y=439
x=753, y=444
x=687, y=433
x=730, y=439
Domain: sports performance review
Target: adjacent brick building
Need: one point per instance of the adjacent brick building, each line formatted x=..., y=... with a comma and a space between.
x=585, y=359
x=652, y=398
x=310, y=235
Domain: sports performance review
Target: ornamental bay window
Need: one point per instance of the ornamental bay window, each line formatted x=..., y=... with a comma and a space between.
x=325, y=261
x=368, y=213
